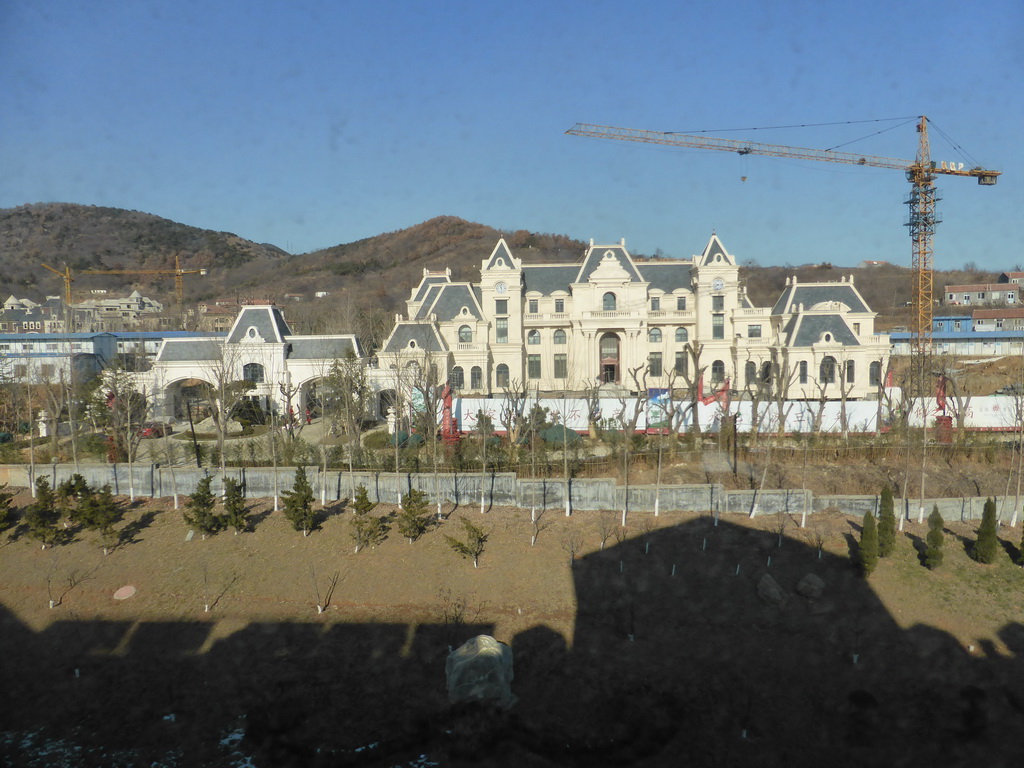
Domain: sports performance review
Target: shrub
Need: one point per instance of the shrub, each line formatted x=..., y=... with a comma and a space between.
x=199, y=510
x=987, y=544
x=42, y=515
x=868, y=552
x=473, y=546
x=414, y=520
x=234, y=506
x=298, y=503
x=886, y=523
x=934, y=540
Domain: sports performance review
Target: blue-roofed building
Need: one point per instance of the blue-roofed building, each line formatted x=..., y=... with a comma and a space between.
x=609, y=320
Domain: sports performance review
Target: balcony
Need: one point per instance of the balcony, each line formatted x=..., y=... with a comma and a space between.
x=546, y=318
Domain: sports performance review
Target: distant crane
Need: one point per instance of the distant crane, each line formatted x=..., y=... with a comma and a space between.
x=68, y=280
x=178, y=272
x=921, y=173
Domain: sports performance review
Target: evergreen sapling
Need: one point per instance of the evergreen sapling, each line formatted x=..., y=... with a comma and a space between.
x=868, y=552
x=298, y=503
x=199, y=510
x=934, y=540
x=886, y=523
x=987, y=544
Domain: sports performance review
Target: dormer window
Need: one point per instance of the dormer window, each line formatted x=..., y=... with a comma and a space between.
x=412, y=344
x=465, y=335
x=609, y=301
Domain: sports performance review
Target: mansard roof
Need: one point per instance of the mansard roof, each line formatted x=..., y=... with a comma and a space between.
x=424, y=335
x=805, y=330
x=429, y=281
x=446, y=302
x=667, y=277
x=548, y=278
x=174, y=350
x=819, y=295
x=597, y=255
x=323, y=347
x=268, y=321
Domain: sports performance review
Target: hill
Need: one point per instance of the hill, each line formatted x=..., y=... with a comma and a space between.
x=368, y=279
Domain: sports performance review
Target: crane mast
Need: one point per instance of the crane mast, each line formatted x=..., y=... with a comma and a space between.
x=921, y=173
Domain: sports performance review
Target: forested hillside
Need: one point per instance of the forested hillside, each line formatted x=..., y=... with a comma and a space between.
x=368, y=279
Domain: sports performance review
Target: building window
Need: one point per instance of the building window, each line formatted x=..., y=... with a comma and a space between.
x=501, y=375
x=654, y=364
x=956, y=325
x=749, y=372
x=717, y=372
x=654, y=336
x=559, y=305
x=681, y=336
x=501, y=330
x=533, y=307
x=609, y=302
x=682, y=367
x=533, y=337
x=718, y=326
x=465, y=335
x=559, y=337
x=753, y=331
x=533, y=366
x=766, y=372
x=46, y=370
x=856, y=329
x=561, y=366
x=875, y=374
x=253, y=372
x=1011, y=297
x=501, y=306
x=680, y=303
x=851, y=372
x=476, y=377
x=457, y=378
x=827, y=371
x=20, y=371
x=718, y=303
x=655, y=303
x=803, y=371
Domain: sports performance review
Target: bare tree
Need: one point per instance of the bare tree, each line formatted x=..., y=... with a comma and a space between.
x=630, y=411
x=225, y=391
x=605, y=527
x=572, y=542
x=512, y=415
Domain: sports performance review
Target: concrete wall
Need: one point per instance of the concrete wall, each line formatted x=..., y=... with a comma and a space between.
x=497, y=489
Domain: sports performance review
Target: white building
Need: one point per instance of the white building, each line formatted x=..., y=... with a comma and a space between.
x=610, y=321
x=260, y=348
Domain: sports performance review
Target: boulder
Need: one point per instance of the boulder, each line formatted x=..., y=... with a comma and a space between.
x=768, y=589
x=480, y=670
x=811, y=586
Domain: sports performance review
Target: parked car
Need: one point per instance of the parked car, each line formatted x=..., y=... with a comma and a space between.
x=155, y=429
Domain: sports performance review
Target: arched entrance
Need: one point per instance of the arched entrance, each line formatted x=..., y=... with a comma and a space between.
x=609, y=354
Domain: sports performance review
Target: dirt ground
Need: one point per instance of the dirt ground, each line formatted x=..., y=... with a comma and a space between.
x=656, y=650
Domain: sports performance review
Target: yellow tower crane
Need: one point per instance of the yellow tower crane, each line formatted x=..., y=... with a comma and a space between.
x=68, y=280
x=178, y=272
x=921, y=173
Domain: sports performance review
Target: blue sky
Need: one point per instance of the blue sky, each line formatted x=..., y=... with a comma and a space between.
x=308, y=124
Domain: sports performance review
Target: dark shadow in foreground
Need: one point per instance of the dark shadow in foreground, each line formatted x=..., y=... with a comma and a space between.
x=689, y=649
